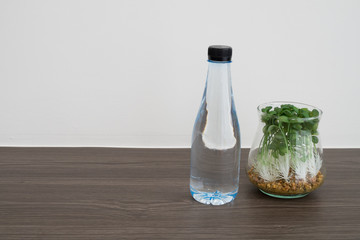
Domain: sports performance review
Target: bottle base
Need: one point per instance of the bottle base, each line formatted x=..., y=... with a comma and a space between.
x=213, y=198
x=284, y=196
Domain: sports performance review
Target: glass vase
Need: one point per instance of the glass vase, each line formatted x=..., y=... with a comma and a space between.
x=286, y=157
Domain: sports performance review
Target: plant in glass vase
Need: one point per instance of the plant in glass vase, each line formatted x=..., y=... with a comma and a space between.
x=287, y=160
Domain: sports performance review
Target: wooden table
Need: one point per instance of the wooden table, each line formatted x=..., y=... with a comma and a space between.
x=105, y=193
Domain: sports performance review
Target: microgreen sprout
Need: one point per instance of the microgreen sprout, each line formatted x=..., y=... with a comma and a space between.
x=288, y=145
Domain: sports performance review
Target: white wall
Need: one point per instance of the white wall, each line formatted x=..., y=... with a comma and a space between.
x=132, y=73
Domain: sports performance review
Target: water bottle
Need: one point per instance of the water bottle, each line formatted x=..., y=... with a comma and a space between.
x=215, y=148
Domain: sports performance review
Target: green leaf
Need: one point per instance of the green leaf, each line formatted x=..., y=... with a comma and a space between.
x=283, y=119
x=315, y=139
x=308, y=125
x=264, y=129
x=272, y=128
x=272, y=112
x=265, y=118
x=266, y=109
x=286, y=106
x=315, y=113
x=293, y=120
x=283, y=150
x=288, y=113
x=299, y=120
x=304, y=112
x=296, y=120
x=275, y=154
x=297, y=126
x=296, y=109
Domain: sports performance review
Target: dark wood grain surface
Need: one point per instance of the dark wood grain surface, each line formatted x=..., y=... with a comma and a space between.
x=105, y=193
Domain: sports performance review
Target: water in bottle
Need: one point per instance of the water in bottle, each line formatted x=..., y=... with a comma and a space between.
x=215, y=148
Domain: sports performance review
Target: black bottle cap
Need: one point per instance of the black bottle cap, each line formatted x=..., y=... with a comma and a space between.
x=220, y=53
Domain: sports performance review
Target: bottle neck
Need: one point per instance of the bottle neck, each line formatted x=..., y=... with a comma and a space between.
x=219, y=80
x=219, y=132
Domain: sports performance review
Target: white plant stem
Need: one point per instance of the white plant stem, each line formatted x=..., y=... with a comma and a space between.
x=299, y=168
x=282, y=165
x=266, y=172
x=314, y=164
x=271, y=169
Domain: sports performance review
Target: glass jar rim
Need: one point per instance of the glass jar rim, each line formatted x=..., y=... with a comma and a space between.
x=296, y=104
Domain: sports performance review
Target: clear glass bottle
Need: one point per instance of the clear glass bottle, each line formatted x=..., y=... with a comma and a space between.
x=215, y=148
x=286, y=157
